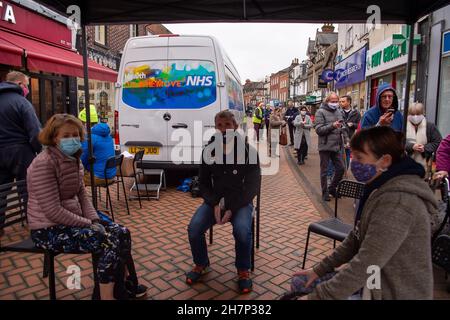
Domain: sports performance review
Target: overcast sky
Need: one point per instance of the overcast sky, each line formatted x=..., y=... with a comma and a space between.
x=256, y=49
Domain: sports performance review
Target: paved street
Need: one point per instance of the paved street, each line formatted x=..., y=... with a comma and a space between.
x=162, y=254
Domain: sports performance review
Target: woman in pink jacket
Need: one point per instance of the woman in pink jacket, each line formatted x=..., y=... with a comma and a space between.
x=60, y=215
x=443, y=159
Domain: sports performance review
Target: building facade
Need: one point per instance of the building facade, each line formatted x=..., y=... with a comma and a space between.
x=253, y=93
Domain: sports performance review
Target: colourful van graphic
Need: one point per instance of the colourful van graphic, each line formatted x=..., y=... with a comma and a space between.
x=182, y=84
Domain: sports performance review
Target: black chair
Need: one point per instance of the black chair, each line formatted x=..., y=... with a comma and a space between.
x=13, y=209
x=114, y=162
x=334, y=228
x=137, y=159
x=255, y=223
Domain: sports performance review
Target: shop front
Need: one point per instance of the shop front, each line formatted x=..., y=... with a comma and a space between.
x=443, y=120
x=351, y=77
x=42, y=48
x=386, y=63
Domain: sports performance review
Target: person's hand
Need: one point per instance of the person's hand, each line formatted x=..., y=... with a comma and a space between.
x=386, y=119
x=217, y=214
x=226, y=217
x=419, y=148
x=440, y=175
x=337, y=125
x=310, y=275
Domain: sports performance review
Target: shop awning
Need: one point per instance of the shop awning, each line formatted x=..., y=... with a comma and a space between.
x=10, y=54
x=45, y=57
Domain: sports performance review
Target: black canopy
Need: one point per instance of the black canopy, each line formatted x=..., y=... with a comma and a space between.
x=308, y=11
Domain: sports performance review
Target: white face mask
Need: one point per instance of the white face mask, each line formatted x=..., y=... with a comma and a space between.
x=333, y=105
x=417, y=119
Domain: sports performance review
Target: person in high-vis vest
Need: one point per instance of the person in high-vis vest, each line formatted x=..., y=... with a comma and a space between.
x=257, y=119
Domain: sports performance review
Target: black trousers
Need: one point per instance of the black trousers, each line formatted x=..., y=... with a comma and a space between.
x=336, y=159
x=291, y=132
x=303, y=151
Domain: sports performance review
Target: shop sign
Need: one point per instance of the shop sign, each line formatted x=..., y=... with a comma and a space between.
x=384, y=56
x=100, y=58
x=446, y=43
x=351, y=70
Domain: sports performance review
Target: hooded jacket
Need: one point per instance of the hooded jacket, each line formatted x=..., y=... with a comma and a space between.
x=18, y=121
x=353, y=117
x=103, y=149
x=330, y=138
x=372, y=116
x=237, y=182
x=393, y=234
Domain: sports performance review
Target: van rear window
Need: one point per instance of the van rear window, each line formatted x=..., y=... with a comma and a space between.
x=176, y=84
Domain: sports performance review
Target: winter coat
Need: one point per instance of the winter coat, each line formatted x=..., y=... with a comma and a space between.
x=290, y=115
x=18, y=121
x=393, y=234
x=275, y=123
x=103, y=149
x=354, y=117
x=56, y=193
x=302, y=129
x=443, y=155
x=433, y=140
x=330, y=138
x=372, y=116
x=237, y=182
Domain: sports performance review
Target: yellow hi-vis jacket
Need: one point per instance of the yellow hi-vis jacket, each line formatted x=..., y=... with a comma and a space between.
x=257, y=115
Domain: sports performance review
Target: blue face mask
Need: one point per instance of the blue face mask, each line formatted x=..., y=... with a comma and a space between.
x=69, y=146
x=333, y=106
x=363, y=172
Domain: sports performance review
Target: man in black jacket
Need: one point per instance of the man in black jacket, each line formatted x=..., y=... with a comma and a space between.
x=351, y=117
x=289, y=117
x=230, y=177
x=19, y=130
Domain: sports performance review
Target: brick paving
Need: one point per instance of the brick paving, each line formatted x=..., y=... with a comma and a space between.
x=162, y=254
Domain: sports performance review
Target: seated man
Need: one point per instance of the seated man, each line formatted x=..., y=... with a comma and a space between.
x=228, y=187
x=102, y=148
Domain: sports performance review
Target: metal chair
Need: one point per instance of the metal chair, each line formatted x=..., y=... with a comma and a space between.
x=255, y=224
x=334, y=228
x=137, y=159
x=13, y=210
x=114, y=162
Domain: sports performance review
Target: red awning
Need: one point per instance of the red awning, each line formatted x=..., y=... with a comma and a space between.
x=44, y=57
x=10, y=54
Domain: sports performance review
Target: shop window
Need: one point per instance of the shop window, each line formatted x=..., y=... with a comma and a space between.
x=60, y=106
x=133, y=30
x=48, y=99
x=349, y=38
x=444, y=98
x=34, y=87
x=99, y=85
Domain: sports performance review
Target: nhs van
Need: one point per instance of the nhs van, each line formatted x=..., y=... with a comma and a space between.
x=169, y=89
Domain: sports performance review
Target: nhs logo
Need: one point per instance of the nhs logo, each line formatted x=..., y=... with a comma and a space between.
x=196, y=81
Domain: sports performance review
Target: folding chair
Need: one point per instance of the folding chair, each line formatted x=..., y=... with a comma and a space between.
x=334, y=228
x=13, y=205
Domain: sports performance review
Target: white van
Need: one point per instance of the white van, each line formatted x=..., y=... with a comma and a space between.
x=168, y=83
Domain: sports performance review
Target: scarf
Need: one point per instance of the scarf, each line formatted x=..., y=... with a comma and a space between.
x=419, y=137
x=406, y=166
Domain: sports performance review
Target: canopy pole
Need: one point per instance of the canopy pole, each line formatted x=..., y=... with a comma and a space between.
x=87, y=107
x=408, y=77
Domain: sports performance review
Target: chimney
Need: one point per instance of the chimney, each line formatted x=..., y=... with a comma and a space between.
x=328, y=28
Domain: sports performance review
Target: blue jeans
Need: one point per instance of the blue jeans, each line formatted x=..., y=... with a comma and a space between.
x=241, y=220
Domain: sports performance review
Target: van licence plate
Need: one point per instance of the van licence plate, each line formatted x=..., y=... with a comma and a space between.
x=147, y=150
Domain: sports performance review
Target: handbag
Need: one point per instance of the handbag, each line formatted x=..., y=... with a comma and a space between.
x=283, y=136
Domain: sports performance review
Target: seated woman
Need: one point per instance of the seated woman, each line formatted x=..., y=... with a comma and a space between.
x=60, y=215
x=388, y=253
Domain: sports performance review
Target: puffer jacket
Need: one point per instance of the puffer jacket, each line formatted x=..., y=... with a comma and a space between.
x=443, y=155
x=56, y=192
x=103, y=149
x=330, y=138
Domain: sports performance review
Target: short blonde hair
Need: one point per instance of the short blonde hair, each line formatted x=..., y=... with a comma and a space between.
x=16, y=76
x=416, y=108
x=50, y=131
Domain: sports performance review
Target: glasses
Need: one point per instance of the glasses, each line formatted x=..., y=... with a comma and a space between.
x=387, y=97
